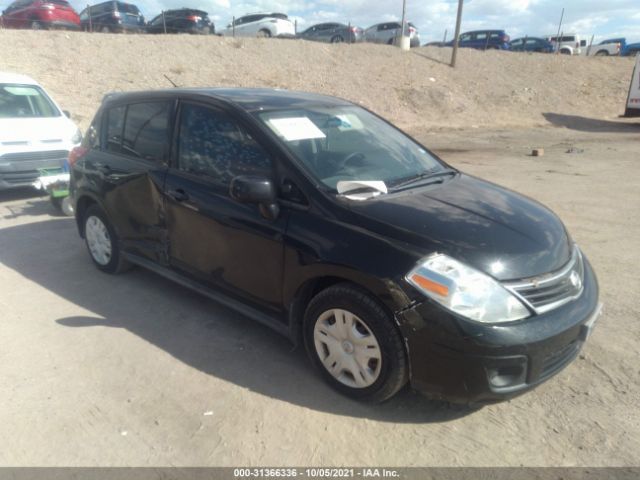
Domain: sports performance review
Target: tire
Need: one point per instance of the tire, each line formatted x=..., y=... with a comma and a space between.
x=63, y=204
x=564, y=51
x=390, y=41
x=370, y=359
x=98, y=233
x=105, y=29
x=264, y=33
x=35, y=25
x=602, y=53
x=337, y=39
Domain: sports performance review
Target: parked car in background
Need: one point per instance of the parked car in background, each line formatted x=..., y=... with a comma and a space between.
x=530, y=44
x=389, y=33
x=630, y=49
x=568, y=44
x=182, y=20
x=112, y=16
x=333, y=33
x=35, y=133
x=319, y=219
x=484, y=40
x=610, y=47
x=40, y=14
x=261, y=25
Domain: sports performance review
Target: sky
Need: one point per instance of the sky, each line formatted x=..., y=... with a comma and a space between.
x=602, y=18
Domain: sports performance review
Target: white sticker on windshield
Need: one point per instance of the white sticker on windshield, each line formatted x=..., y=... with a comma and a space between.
x=296, y=128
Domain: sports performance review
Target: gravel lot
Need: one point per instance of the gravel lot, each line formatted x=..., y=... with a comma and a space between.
x=133, y=370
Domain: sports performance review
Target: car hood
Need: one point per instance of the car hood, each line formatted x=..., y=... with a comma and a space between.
x=495, y=230
x=36, y=132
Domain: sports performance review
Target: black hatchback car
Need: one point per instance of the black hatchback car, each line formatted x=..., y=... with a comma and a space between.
x=321, y=220
x=112, y=17
x=182, y=20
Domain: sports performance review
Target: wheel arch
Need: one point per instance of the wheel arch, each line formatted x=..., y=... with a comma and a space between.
x=82, y=204
x=389, y=297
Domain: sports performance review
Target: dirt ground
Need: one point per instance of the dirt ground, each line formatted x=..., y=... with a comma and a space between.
x=417, y=88
x=132, y=370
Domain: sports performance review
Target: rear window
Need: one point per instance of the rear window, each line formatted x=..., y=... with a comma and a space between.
x=127, y=8
x=62, y=3
x=25, y=101
x=281, y=16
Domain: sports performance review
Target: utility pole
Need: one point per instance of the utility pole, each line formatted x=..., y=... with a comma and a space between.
x=558, y=36
x=454, y=54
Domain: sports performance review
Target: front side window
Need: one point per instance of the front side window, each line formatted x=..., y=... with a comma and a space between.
x=212, y=144
x=146, y=131
x=25, y=101
x=348, y=143
x=465, y=37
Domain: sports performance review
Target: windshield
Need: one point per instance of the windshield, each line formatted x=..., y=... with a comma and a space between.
x=348, y=143
x=25, y=101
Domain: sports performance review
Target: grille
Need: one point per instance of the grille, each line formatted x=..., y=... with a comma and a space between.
x=20, y=178
x=550, y=291
x=27, y=156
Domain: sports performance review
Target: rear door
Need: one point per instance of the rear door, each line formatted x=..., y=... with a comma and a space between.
x=129, y=171
x=213, y=238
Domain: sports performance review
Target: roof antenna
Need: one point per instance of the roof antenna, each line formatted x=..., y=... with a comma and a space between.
x=172, y=82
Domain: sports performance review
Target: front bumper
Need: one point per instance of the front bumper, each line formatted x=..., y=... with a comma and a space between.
x=467, y=362
x=21, y=169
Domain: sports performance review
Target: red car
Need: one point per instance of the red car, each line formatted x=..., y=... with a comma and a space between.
x=38, y=14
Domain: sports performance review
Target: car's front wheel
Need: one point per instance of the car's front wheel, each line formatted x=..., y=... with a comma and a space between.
x=102, y=242
x=354, y=344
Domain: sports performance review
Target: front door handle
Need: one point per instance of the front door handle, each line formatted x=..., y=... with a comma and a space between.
x=179, y=195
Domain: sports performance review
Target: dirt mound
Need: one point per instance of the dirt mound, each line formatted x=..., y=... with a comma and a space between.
x=415, y=89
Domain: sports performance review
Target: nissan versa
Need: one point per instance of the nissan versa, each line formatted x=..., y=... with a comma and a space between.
x=320, y=219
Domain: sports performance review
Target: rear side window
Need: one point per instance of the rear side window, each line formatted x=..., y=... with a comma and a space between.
x=146, y=131
x=212, y=144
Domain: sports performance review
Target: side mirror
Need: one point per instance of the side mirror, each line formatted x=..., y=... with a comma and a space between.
x=255, y=189
x=67, y=113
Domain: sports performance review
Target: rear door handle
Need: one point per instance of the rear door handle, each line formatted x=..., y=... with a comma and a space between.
x=179, y=195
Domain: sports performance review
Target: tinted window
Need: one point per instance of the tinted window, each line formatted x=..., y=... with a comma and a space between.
x=115, y=125
x=517, y=43
x=210, y=143
x=127, y=8
x=481, y=36
x=465, y=37
x=146, y=130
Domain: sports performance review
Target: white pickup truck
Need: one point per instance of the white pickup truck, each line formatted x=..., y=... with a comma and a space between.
x=607, y=47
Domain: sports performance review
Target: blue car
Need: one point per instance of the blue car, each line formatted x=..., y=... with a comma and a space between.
x=531, y=44
x=484, y=40
x=631, y=49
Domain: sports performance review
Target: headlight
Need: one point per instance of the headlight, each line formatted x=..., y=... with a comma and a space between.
x=77, y=137
x=465, y=290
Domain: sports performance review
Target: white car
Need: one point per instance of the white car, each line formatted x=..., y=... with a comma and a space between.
x=261, y=25
x=35, y=132
x=569, y=44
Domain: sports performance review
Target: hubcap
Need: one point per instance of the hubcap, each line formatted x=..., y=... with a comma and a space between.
x=347, y=348
x=98, y=240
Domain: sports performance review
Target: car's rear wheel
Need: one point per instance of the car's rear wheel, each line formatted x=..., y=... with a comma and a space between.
x=337, y=39
x=602, y=53
x=354, y=344
x=264, y=33
x=102, y=242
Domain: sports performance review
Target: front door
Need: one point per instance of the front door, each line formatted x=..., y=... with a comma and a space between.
x=213, y=238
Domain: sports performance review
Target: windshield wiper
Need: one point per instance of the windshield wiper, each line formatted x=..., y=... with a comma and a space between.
x=423, y=176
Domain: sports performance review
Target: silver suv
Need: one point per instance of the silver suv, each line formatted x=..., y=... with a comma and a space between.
x=389, y=33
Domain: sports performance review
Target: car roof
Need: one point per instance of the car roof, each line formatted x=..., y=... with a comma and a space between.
x=484, y=31
x=9, y=77
x=249, y=99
